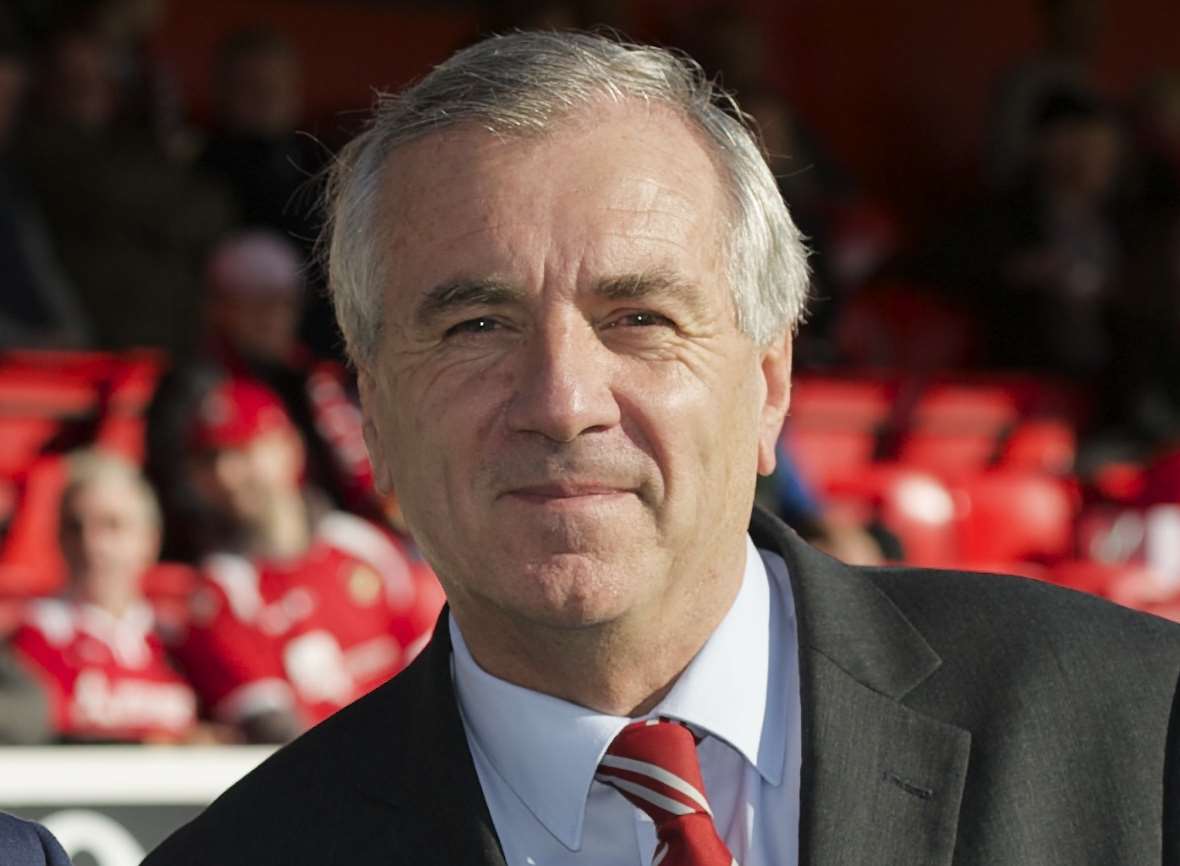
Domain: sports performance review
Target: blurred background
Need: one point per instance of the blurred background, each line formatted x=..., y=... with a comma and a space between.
x=987, y=379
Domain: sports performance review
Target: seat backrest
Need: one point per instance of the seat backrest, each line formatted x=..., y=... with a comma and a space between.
x=1016, y=515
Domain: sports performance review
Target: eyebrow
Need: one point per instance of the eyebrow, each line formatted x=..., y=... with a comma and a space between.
x=656, y=283
x=462, y=294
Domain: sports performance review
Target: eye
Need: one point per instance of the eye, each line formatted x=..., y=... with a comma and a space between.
x=480, y=325
x=640, y=319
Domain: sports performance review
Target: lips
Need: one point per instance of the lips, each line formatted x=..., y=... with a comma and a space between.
x=566, y=490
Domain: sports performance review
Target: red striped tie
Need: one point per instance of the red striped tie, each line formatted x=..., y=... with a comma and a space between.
x=654, y=765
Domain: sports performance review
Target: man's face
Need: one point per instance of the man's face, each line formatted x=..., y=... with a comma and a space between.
x=562, y=400
x=263, y=327
x=248, y=480
x=108, y=540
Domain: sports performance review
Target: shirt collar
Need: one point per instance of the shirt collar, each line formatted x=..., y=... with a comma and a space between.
x=725, y=690
x=125, y=635
x=547, y=750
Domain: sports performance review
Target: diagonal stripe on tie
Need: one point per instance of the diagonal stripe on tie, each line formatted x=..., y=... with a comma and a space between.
x=658, y=774
x=653, y=764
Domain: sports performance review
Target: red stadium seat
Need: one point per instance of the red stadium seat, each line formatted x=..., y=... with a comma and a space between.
x=1041, y=444
x=862, y=403
x=42, y=393
x=961, y=407
x=948, y=454
x=1162, y=480
x=1013, y=516
x=30, y=560
x=824, y=453
x=21, y=440
x=1120, y=481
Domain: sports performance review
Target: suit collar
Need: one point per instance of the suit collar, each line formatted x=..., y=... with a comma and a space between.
x=845, y=618
x=880, y=782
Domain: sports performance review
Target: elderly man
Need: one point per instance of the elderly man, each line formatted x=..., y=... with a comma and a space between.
x=569, y=287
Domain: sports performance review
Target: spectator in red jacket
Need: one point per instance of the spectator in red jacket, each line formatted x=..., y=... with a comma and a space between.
x=300, y=609
x=96, y=652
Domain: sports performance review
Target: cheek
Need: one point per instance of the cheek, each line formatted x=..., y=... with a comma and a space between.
x=711, y=430
x=437, y=435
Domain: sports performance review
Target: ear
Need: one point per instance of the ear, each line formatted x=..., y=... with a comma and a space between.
x=776, y=378
x=370, y=401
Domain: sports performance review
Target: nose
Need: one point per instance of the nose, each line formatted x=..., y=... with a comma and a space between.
x=228, y=467
x=563, y=387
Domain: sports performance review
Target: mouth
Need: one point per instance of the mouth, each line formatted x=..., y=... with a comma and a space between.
x=566, y=493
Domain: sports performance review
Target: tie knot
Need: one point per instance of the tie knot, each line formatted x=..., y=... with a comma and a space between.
x=654, y=764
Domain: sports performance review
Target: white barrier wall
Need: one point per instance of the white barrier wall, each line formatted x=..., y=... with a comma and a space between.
x=110, y=805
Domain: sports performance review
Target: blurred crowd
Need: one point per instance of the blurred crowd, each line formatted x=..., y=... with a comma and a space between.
x=291, y=585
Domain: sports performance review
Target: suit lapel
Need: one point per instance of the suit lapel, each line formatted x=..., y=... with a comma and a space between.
x=881, y=783
x=421, y=797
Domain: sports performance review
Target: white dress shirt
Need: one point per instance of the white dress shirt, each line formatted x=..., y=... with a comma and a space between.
x=536, y=755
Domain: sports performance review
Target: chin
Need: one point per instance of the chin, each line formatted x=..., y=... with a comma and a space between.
x=571, y=591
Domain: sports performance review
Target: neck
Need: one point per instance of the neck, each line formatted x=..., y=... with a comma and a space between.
x=624, y=667
x=285, y=532
x=115, y=604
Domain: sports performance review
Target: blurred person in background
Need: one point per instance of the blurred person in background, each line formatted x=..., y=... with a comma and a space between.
x=1070, y=34
x=850, y=237
x=150, y=94
x=1061, y=258
x=38, y=307
x=1042, y=264
x=131, y=227
x=300, y=609
x=256, y=150
x=1157, y=134
x=254, y=295
x=1146, y=410
x=95, y=652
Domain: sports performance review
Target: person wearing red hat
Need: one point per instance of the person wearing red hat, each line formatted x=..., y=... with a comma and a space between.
x=254, y=294
x=301, y=609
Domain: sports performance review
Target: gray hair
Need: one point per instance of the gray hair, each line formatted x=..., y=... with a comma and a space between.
x=95, y=466
x=523, y=84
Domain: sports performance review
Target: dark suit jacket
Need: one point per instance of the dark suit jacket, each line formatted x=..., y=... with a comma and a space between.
x=26, y=843
x=948, y=718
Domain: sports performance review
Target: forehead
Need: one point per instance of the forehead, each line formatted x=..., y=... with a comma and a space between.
x=105, y=494
x=631, y=186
